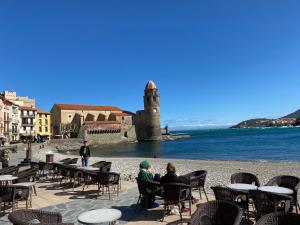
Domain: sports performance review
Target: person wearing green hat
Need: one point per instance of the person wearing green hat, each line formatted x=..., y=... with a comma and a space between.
x=145, y=171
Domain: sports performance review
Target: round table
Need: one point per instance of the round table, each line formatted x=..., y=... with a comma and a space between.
x=276, y=190
x=98, y=216
x=31, y=188
x=89, y=168
x=242, y=187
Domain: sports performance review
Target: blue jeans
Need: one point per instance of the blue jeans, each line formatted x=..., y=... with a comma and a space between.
x=85, y=161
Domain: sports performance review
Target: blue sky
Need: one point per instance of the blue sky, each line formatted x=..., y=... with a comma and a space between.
x=214, y=62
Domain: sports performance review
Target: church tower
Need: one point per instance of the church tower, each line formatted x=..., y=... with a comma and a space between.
x=148, y=120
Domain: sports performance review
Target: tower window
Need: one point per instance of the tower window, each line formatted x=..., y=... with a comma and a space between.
x=154, y=99
x=154, y=110
x=148, y=99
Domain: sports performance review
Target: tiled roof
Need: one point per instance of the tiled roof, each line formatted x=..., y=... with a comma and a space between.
x=42, y=111
x=87, y=107
x=27, y=108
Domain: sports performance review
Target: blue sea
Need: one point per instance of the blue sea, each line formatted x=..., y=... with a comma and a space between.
x=270, y=144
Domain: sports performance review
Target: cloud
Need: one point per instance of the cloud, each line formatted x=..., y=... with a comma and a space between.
x=189, y=123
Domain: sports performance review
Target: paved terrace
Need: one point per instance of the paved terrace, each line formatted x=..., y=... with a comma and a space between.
x=51, y=196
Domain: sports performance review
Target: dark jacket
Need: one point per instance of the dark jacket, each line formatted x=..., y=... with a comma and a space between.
x=173, y=178
x=85, y=151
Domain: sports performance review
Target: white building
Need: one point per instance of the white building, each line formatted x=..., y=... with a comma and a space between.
x=28, y=121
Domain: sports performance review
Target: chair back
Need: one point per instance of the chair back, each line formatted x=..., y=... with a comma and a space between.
x=197, y=178
x=147, y=187
x=98, y=164
x=286, y=181
x=223, y=193
x=105, y=167
x=218, y=212
x=280, y=218
x=175, y=192
x=245, y=178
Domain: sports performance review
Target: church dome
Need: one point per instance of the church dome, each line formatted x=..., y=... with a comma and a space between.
x=150, y=85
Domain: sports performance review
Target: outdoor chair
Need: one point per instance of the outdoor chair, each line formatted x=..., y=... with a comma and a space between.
x=290, y=182
x=105, y=168
x=238, y=197
x=280, y=218
x=71, y=161
x=30, y=216
x=217, y=213
x=148, y=190
x=11, y=195
x=197, y=181
x=245, y=178
x=107, y=180
x=266, y=202
x=98, y=164
x=175, y=194
x=64, y=160
x=12, y=170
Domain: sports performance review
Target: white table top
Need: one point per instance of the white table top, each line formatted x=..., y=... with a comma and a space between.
x=8, y=175
x=25, y=184
x=97, y=216
x=89, y=168
x=242, y=187
x=8, y=178
x=276, y=189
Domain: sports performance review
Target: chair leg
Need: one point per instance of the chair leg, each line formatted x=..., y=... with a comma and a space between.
x=205, y=194
x=180, y=213
x=34, y=190
x=200, y=193
x=137, y=203
x=165, y=211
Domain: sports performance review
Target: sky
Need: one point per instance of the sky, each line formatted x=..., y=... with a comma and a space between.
x=214, y=62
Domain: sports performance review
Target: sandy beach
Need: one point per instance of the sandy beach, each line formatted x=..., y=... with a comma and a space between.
x=219, y=172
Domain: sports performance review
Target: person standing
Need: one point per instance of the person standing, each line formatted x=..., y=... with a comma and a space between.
x=85, y=154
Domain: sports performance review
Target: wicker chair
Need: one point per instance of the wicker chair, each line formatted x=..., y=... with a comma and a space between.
x=266, y=202
x=245, y=178
x=10, y=195
x=238, y=197
x=174, y=194
x=218, y=213
x=280, y=218
x=24, y=217
x=12, y=170
x=197, y=181
x=105, y=168
x=107, y=180
x=148, y=190
x=98, y=164
x=290, y=182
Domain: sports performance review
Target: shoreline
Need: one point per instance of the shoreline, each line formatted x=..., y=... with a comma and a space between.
x=219, y=171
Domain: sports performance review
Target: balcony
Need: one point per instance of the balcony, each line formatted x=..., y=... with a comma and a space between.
x=27, y=115
x=7, y=119
x=15, y=121
x=28, y=124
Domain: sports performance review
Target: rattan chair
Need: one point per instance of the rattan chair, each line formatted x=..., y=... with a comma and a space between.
x=217, y=213
x=197, y=181
x=245, y=178
x=175, y=194
x=148, y=190
x=266, y=202
x=290, y=182
x=280, y=218
x=98, y=164
x=25, y=217
x=108, y=180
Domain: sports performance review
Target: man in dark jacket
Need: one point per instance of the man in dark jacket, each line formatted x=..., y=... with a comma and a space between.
x=85, y=154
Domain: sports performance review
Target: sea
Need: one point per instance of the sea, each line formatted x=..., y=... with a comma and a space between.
x=253, y=144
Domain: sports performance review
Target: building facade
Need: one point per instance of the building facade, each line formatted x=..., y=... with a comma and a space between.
x=109, y=124
x=43, y=125
x=28, y=122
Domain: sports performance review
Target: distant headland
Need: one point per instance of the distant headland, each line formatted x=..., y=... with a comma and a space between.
x=289, y=120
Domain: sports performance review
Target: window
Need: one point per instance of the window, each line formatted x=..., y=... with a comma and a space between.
x=40, y=121
x=46, y=121
x=154, y=99
x=40, y=129
x=46, y=129
x=24, y=128
x=123, y=118
x=148, y=99
x=31, y=128
x=154, y=110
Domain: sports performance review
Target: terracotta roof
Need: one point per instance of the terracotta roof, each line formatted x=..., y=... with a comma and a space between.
x=150, y=85
x=87, y=107
x=42, y=111
x=101, y=122
x=121, y=114
x=27, y=108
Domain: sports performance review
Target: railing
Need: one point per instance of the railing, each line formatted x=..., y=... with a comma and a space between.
x=15, y=121
x=28, y=115
x=28, y=124
x=7, y=119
